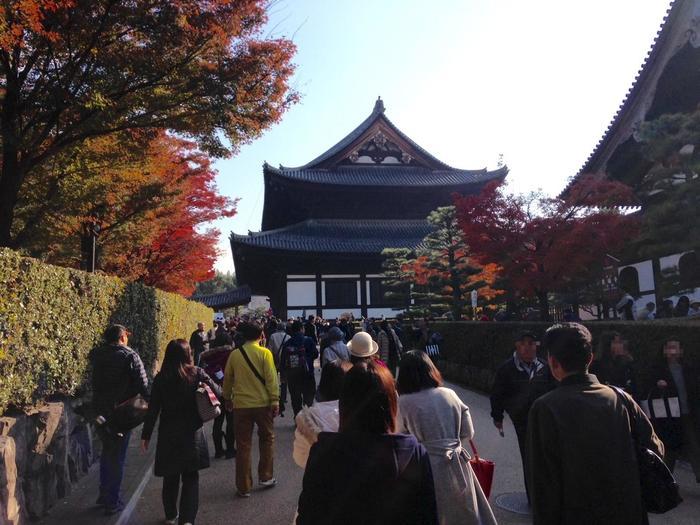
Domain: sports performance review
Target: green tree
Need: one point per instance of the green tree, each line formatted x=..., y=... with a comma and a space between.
x=221, y=282
x=397, y=273
x=670, y=191
x=444, y=263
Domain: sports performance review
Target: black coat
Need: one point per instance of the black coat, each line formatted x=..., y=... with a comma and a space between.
x=670, y=430
x=181, y=445
x=354, y=478
x=514, y=391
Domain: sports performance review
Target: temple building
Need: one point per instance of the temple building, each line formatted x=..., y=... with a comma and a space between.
x=668, y=82
x=325, y=224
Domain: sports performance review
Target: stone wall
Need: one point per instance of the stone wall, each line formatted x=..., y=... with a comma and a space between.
x=43, y=451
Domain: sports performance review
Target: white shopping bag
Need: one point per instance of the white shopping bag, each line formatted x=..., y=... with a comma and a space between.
x=661, y=408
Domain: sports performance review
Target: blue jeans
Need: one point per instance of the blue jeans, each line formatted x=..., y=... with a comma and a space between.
x=112, y=467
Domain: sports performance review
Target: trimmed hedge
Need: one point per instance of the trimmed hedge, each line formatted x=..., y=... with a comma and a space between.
x=51, y=317
x=472, y=351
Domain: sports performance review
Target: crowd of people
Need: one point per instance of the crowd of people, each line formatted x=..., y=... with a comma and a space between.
x=382, y=416
x=684, y=307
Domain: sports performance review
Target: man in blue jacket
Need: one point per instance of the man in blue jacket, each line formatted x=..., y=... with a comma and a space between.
x=297, y=365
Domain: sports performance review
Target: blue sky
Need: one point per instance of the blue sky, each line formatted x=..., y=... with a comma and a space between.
x=537, y=81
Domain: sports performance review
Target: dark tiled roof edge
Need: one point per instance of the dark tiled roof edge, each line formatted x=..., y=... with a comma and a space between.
x=395, y=175
x=239, y=296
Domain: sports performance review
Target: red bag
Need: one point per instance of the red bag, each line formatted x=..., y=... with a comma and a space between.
x=483, y=470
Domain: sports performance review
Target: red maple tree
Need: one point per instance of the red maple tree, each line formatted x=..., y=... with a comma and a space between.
x=547, y=244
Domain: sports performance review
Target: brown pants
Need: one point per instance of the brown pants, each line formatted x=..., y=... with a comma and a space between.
x=243, y=421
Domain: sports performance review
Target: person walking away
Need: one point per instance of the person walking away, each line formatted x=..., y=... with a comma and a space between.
x=222, y=336
x=276, y=341
x=336, y=349
x=518, y=382
x=117, y=375
x=394, y=345
x=672, y=377
x=252, y=394
x=323, y=416
x=213, y=361
x=310, y=329
x=211, y=334
x=199, y=342
x=583, y=460
x=347, y=328
x=297, y=365
x=366, y=473
x=441, y=422
x=181, y=450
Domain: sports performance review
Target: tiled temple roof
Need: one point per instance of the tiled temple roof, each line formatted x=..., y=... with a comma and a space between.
x=388, y=175
x=339, y=236
x=239, y=296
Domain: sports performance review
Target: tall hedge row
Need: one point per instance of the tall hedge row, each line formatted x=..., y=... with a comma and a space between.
x=471, y=351
x=51, y=317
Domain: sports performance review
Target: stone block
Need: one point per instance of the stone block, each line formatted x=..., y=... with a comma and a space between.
x=11, y=494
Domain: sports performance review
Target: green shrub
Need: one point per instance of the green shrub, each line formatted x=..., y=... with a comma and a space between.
x=51, y=317
x=472, y=351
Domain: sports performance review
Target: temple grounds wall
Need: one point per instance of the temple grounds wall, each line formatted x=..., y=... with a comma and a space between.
x=50, y=319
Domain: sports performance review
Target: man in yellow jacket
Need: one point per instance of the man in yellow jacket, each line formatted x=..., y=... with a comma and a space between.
x=252, y=393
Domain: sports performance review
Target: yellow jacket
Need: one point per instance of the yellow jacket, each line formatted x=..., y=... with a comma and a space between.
x=240, y=383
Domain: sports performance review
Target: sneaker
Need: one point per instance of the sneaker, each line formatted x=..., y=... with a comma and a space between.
x=171, y=522
x=114, y=509
x=230, y=454
x=269, y=483
x=219, y=454
x=243, y=494
x=100, y=501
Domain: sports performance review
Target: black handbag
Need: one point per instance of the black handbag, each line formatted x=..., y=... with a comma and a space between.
x=659, y=488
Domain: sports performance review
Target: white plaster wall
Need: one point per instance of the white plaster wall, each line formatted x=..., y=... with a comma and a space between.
x=301, y=293
x=378, y=312
x=645, y=271
x=258, y=301
x=670, y=261
x=333, y=313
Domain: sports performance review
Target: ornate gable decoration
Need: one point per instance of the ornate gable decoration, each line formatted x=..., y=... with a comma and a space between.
x=379, y=150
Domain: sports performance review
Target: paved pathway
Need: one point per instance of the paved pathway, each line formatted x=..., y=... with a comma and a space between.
x=218, y=504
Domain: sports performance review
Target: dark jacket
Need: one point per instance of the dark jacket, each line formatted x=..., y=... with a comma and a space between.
x=117, y=375
x=514, y=391
x=670, y=429
x=354, y=478
x=582, y=461
x=309, y=347
x=199, y=342
x=617, y=371
x=181, y=445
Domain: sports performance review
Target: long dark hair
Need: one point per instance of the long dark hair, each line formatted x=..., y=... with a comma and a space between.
x=177, y=362
x=417, y=372
x=368, y=402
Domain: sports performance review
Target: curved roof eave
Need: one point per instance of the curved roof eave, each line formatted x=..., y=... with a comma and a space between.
x=377, y=113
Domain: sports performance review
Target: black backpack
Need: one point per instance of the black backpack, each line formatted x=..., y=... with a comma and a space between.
x=295, y=357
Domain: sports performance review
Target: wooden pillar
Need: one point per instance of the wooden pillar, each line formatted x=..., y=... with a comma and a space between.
x=363, y=294
x=319, y=297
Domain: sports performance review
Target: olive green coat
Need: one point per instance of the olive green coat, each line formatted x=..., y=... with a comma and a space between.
x=583, y=467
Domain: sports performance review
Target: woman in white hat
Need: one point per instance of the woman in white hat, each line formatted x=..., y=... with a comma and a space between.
x=363, y=348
